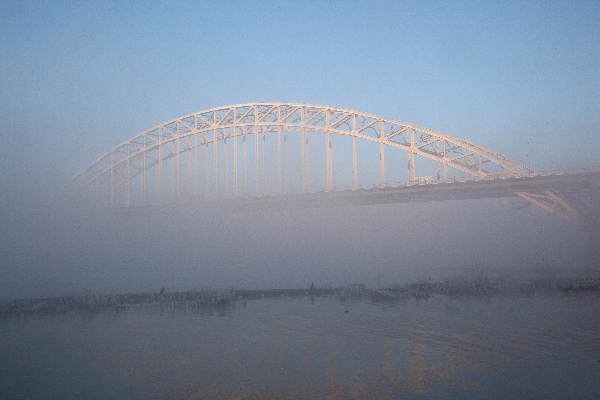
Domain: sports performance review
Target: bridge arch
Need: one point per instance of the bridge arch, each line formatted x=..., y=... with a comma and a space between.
x=115, y=170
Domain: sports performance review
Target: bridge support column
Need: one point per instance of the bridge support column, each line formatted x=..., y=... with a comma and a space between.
x=408, y=168
x=196, y=168
x=206, y=167
x=159, y=169
x=279, y=158
x=328, y=151
x=264, y=165
x=245, y=162
x=225, y=162
x=256, y=156
x=285, y=159
x=112, y=182
x=354, y=166
x=354, y=163
x=381, y=164
x=437, y=162
x=411, y=159
x=302, y=161
x=143, y=183
x=192, y=178
x=128, y=180
x=445, y=164
x=329, y=162
x=215, y=162
x=307, y=157
x=235, y=160
x=381, y=155
x=413, y=178
x=177, y=168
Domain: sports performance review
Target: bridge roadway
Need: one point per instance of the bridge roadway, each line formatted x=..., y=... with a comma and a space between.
x=570, y=185
x=573, y=195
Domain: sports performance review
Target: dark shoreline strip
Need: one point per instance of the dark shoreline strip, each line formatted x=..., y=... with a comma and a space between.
x=210, y=298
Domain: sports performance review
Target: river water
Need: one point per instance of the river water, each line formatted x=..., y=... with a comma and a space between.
x=542, y=346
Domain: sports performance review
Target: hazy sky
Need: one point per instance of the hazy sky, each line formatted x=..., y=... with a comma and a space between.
x=77, y=78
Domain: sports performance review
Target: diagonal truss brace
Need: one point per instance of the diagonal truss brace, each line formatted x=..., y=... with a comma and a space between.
x=552, y=202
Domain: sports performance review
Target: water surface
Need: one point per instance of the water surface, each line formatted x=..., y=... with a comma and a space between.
x=542, y=346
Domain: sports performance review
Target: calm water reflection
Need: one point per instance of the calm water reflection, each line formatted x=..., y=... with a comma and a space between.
x=542, y=346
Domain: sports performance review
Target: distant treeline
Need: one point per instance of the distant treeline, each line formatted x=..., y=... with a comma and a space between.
x=211, y=299
x=481, y=286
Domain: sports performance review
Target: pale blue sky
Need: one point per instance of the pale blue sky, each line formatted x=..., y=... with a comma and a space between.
x=76, y=78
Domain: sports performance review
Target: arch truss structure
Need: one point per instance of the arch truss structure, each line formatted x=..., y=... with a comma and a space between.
x=259, y=149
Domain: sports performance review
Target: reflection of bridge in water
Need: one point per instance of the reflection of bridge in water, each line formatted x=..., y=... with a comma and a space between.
x=264, y=152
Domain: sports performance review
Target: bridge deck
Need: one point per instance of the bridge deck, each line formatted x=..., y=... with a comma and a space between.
x=568, y=183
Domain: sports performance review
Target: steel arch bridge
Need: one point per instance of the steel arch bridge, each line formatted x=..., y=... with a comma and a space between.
x=238, y=139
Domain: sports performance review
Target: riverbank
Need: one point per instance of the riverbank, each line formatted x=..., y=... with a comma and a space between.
x=212, y=298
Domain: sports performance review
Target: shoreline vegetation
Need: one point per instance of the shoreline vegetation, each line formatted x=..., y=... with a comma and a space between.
x=215, y=298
